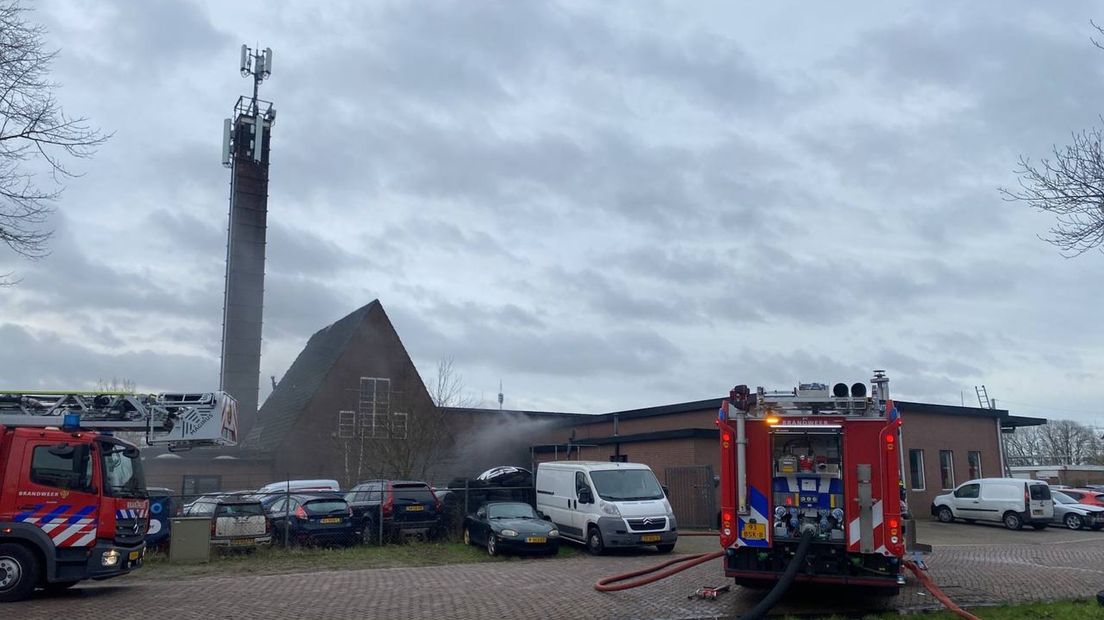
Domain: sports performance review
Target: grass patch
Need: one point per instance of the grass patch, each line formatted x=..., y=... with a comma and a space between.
x=1057, y=610
x=278, y=560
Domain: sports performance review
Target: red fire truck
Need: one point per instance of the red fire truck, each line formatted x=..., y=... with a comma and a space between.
x=811, y=486
x=73, y=503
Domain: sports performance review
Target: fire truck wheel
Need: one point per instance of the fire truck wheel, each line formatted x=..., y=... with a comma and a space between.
x=18, y=572
x=595, y=545
x=1012, y=521
x=944, y=514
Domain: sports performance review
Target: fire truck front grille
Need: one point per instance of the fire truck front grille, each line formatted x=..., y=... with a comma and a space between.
x=130, y=531
x=649, y=524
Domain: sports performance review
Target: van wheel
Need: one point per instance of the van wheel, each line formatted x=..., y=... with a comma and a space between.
x=1073, y=521
x=944, y=514
x=668, y=548
x=1012, y=521
x=18, y=572
x=594, y=541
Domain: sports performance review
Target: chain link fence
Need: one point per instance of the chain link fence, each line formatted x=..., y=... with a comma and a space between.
x=305, y=513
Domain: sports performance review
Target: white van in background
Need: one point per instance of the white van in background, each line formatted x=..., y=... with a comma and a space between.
x=1012, y=501
x=606, y=504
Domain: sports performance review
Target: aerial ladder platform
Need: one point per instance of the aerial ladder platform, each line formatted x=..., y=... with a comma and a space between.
x=179, y=421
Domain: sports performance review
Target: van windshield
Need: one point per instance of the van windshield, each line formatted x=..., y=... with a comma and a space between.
x=626, y=484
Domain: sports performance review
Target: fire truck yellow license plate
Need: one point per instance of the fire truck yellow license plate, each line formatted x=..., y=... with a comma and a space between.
x=754, y=531
x=650, y=538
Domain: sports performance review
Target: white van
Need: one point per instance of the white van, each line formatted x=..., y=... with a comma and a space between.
x=299, y=486
x=606, y=504
x=1012, y=501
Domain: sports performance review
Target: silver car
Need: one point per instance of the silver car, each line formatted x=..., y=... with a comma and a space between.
x=1076, y=516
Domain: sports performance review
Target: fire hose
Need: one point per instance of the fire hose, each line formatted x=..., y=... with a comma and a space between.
x=621, y=582
x=925, y=579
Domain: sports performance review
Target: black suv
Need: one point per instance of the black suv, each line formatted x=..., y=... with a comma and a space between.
x=407, y=507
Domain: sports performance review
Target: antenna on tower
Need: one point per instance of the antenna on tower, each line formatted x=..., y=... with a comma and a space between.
x=500, y=394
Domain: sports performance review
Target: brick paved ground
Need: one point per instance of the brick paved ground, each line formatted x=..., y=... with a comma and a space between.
x=1018, y=566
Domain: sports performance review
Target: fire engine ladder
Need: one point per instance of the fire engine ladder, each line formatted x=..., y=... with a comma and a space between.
x=177, y=420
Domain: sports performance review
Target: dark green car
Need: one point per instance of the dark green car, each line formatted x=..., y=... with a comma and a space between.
x=511, y=527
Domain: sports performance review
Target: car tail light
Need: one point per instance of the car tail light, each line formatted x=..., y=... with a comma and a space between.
x=389, y=501
x=300, y=513
x=268, y=525
x=1027, y=497
x=436, y=502
x=213, y=526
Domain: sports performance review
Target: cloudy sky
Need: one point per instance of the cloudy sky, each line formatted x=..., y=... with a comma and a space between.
x=603, y=205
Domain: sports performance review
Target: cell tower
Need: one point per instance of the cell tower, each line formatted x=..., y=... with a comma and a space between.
x=245, y=145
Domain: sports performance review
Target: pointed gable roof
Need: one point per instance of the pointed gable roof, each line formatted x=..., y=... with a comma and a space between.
x=302, y=381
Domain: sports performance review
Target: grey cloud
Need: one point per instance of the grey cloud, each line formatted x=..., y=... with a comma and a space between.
x=47, y=361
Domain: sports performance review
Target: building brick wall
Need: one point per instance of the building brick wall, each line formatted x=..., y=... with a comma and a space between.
x=958, y=434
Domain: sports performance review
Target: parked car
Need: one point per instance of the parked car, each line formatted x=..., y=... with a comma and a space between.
x=1012, y=501
x=1074, y=515
x=511, y=526
x=313, y=520
x=1086, y=496
x=235, y=522
x=604, y=504
x=406, y=506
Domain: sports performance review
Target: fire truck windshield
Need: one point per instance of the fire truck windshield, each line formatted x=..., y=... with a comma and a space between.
x=626, y=484
x=123, y=475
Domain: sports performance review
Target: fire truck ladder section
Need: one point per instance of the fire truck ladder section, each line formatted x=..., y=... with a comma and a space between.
x=179, y=421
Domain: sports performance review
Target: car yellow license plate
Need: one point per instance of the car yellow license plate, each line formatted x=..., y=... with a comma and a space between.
x=243, y=541
x=134, y=555
x=650, y=538
x=754, y=531
x=536, y=540
x=415, y=508
x=332, y=520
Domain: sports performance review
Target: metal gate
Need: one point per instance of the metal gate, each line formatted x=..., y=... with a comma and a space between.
x=693, y=496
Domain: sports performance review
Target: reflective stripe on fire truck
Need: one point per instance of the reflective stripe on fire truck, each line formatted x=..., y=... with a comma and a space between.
x=853, y=534
x=759, y=512
x=67, y=526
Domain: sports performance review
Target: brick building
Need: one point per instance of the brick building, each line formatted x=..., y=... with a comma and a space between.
x=352, y=406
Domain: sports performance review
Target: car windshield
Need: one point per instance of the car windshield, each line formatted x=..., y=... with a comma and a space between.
x=122, y=466
x=413, y=493
x=239, y=510
x=511, y=511
x=326, y=506
x=626, y=484
x=1062, y=498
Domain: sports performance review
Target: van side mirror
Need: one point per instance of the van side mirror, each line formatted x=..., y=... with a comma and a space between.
x=542, y=515
x=585, y=496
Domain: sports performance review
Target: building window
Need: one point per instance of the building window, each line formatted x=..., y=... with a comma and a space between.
x=198, y=485
x=346, y=424
x=374, y=407
x=975, y=464
x=398, y=425
x=946, y=469
x=916, y=469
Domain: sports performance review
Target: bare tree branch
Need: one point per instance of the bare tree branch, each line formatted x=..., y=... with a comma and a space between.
x=33, y=128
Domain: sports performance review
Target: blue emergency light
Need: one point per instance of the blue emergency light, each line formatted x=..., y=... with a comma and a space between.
x=71, y=422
